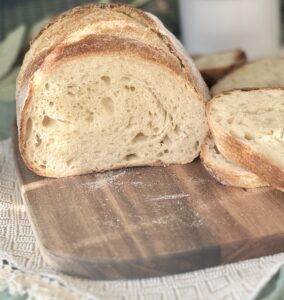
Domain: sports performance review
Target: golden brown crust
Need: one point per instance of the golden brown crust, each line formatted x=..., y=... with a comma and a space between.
x=243, y=155
x=229, y=177
x=107, y=44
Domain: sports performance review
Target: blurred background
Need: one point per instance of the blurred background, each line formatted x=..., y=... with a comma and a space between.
x=204, y=26
x=16, y=12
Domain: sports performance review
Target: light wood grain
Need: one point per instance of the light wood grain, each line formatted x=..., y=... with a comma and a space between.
x=150, y=221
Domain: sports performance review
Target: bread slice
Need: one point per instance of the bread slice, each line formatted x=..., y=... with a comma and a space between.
x=215, y=66
x=267, y=73
x=113, y=91
x=224, y=170
x=248, y=128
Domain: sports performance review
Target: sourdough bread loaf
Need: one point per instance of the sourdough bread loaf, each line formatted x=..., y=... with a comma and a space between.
x=104, y=87
x=215, y=66
x=248, y=128
x=225, y=171
x=266, y=73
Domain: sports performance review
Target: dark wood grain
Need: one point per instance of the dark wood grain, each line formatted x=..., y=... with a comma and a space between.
x=150, y=221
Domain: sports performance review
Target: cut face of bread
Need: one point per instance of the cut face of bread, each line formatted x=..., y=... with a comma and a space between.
x=116, y=90
x=248, y=128
x=225, y=171
x=266, y=73
x=99, y=113
x=216, y=65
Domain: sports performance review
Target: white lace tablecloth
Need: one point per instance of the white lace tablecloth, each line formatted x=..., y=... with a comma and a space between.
x=24, y=272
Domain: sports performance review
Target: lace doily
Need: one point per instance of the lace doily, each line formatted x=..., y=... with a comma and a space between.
x=22, y=270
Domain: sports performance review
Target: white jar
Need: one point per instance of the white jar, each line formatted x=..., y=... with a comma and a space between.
x=217, y=25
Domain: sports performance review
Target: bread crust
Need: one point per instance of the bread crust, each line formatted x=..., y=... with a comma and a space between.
x=228, y=177
x=243, y=155
x=45, y=59
x=187, y=67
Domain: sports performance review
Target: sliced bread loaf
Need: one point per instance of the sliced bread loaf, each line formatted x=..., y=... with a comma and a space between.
x=248, y=128
x=215, y=66
x=113, y=91
x=224, y=170
x=258, y=74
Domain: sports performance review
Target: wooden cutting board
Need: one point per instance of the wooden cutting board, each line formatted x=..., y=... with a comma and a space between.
x=150, y=221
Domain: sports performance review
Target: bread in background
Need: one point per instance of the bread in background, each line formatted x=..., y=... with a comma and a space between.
x=215, y=66
x=266, y=73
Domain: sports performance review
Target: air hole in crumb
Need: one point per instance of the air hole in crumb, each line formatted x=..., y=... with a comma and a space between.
x=71, y=94
x=47, y=121
x=29, y=127
x=160, y=154
x=196, y=145
x=69, y=161
x=166, y=140
x=42, y=166
x=130, y=157
x=156, y=129
x=51, y=104
x=107, y=104
x=47, y=86
x=130, y=88
x=105, y=79
x=216, y=149
x=248, y=136
x=90, y=118
x=125, y=78
x=38, y=141
x=166, y=151
x=230, y=120
x=177, y=129
x=130, y=122
x=140, y=137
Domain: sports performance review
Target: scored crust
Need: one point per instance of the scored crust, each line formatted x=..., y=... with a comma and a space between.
x=37, y=54
x=242, y=154
x=64, y=23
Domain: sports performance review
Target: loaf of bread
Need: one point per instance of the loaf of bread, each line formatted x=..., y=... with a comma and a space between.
x=267, y=73
x=107, y=86
x=215, y=66
x=248, y=128
x=224, y=170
